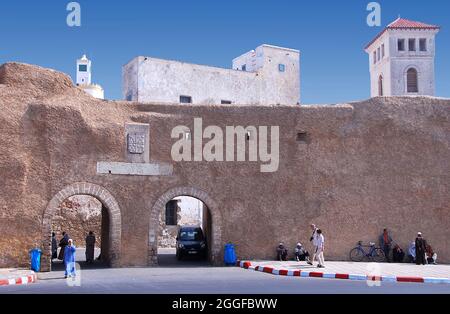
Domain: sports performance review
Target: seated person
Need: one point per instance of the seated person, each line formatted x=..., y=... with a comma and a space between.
x=412, y=253
x=431, y=256
x=398, y=254
x=281, y=252
x=300, y=253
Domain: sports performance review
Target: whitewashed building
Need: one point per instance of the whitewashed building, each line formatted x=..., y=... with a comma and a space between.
x=84, y=78
x=266, y=75
x=402, y=59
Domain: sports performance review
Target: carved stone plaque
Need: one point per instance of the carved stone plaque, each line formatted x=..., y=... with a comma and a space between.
x=136, y=143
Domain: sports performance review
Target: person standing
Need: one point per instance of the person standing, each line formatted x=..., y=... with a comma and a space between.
x=421, y=245
x=69, y=259
x=54, y=246
x=320, y=249
x=385, y=243
x=90, y=247
x=63, y=243
x=313, y=240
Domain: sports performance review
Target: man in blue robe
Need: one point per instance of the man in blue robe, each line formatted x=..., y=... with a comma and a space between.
x=69, y=259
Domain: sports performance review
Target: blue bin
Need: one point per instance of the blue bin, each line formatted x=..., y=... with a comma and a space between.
x=35, y=255
x=230, y=255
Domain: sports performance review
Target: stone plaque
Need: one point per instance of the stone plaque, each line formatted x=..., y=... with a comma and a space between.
x=136, y=143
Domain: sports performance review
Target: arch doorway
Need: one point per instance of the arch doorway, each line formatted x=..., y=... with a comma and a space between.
x=380, y=86
x=412, y=83
x=167, y=210
x=109, y=223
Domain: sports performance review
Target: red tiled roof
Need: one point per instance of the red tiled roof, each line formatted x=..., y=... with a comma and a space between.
x=404, y=24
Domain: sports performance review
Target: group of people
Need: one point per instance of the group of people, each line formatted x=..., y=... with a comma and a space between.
x=67, y=252
x=301, y=254
x=419, y=251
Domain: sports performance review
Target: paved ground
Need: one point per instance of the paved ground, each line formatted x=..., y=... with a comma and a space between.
x=383, y=269
x=195, y=277
x=13, y=273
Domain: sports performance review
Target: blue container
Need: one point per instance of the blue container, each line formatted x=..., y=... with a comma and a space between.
x=35, y=256
x=230, y=255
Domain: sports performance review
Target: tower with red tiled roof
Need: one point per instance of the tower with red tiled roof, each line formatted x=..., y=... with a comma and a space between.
x=402, y=59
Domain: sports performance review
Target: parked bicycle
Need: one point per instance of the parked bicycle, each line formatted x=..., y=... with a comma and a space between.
x=375, y=254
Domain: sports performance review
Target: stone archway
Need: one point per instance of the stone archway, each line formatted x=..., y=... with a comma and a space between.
x=107, y=200
x=159, y=207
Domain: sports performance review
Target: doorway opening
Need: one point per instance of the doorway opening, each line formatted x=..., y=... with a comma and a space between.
x=76, y=210
x=85, y=220
x=184, y=237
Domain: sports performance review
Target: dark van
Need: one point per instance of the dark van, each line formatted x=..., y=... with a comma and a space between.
x=191, y=242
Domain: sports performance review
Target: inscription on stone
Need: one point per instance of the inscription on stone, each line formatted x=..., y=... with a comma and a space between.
x=136, y=143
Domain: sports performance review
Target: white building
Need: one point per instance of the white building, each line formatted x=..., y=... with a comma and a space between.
x=402, y=59
x=267, y=75
x=84, y=78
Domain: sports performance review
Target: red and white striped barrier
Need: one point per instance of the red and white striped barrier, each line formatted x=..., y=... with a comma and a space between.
x=24, y=280
x=314, y=274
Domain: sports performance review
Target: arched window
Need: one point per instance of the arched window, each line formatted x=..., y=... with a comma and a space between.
x=412, y=81
x=380, y=86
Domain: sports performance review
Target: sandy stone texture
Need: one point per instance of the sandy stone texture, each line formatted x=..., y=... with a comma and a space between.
x=357, y=168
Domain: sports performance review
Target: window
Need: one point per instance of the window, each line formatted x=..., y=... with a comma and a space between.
x=303, y=137
x=374, y=57
x=82, y=68
x=244, y=67
x=401, y=45
x=225, y=102
x=185, y=99
x=379, y=54
x=382, y=51
x=171, y=213
x=191, y=235
x=423, y=44
x=380, y=85
x=412, y=81
x=281, y=67
x=412, y=44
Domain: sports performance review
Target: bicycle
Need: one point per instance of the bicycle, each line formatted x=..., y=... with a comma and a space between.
x=375, y=254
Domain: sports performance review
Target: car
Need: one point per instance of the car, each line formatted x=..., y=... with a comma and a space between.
x=191, y=242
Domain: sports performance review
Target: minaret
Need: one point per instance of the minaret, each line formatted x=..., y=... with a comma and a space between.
x=84, y=74
x=402, y=59
x=84, y=78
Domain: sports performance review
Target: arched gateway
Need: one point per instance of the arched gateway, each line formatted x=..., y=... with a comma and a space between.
x=108, y=202
x=216, y=222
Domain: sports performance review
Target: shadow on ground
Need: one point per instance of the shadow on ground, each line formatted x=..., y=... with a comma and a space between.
x=167, y=258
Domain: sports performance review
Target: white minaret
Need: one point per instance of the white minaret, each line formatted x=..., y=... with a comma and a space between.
x=84, y=78
x=402, y=59
x=84, y=74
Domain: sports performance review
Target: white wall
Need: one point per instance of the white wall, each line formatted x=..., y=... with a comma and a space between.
x=156, y=80
x=396, y=63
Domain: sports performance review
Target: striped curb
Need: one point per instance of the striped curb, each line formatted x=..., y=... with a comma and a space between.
x=24, y=280
x=314, y=274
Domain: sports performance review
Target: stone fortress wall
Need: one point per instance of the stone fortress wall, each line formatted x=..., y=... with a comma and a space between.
x=353, y=169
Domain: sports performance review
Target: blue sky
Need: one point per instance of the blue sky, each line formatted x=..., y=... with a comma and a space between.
x=330, y=34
